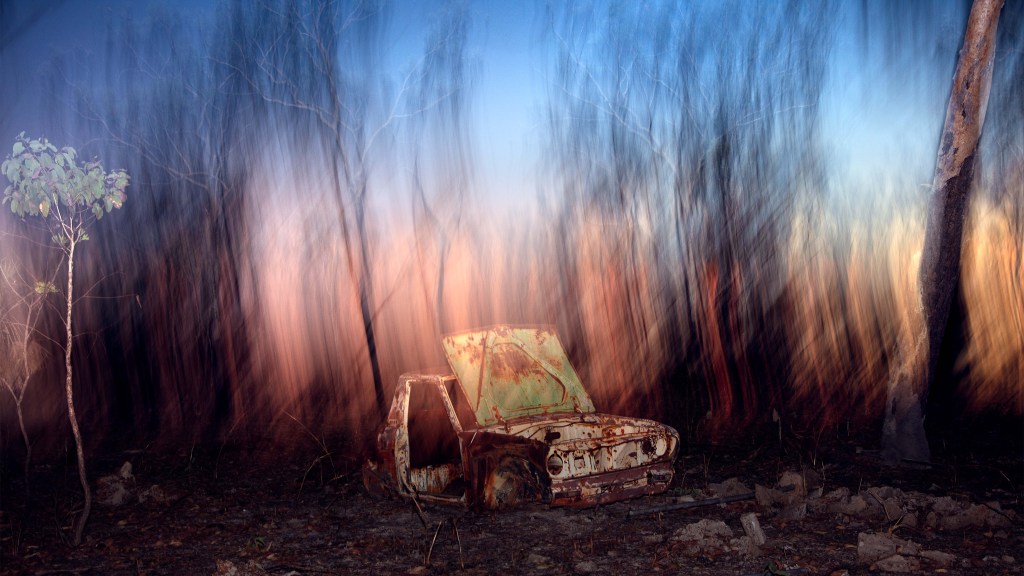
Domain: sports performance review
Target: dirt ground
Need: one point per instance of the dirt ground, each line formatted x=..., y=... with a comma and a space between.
x=225, y=512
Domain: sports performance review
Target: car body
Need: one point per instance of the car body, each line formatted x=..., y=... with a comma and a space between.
x=511, y=423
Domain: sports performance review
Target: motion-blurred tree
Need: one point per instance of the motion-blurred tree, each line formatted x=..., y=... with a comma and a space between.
x=21, y=304
x=319, y=61
x=903, y=434
x=51, y=184
x=670, y=133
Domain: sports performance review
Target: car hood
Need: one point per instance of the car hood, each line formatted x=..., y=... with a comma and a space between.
x=511, y=372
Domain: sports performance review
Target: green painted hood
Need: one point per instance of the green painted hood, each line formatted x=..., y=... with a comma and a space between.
x=507, y=372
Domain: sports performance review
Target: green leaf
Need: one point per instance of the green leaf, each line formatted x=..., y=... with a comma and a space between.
x=97, y=210
x=44, y=208
x=18, y=148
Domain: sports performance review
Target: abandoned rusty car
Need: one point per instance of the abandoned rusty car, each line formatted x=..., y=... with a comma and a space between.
x=513, y=424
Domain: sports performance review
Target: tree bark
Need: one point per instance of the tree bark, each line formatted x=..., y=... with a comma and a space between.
x=69, y=394
x=903, y=434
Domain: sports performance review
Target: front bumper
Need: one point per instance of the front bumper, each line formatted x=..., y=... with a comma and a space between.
x=612, y=486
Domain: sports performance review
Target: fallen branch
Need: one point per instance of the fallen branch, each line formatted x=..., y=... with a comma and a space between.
x=685, y=504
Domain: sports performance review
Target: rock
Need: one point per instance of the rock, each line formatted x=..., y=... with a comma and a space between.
x=944, y=505
x=704, y=537
x=893, y=510
x=770, y=497
x=977, y=516
x=898, y=564
x=765, y=497
x=794, y=511
x=225, y=568
x=153, y=493
x=855, y=506
x=881, y=492
x=730, y=487
x=839, y=495
x=745, y=546
x=115, y=489
x=752, y=527
x=872, y=547
x=229, y=568
x=796, y=480
x=909, y=520
x=537, y=559
x=703, y=529
x=940, y=558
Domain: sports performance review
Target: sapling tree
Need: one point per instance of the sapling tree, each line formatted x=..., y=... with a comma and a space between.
x=51, y=185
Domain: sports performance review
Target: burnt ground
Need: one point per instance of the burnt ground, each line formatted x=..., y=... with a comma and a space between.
x=224, y=511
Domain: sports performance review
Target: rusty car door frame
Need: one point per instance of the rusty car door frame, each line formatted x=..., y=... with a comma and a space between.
x=398, y=420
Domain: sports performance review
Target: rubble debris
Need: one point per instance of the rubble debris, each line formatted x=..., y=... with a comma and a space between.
x=745, y=546
x=730, y=487
x=116, y=489
x=874, y=547
x=706, y=537
x=976, y=516
x=153, y=494
x=883, y=551
x=229, y=568
x=898, y=509
x=898, y=564
x=790, y=497
x=752, y=527
x=942, y=559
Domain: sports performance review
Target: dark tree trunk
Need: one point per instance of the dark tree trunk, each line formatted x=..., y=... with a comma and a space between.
x=903, y=435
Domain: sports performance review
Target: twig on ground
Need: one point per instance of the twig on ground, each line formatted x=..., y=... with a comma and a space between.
x=426, y=561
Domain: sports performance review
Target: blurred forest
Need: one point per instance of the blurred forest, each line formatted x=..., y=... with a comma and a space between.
x=304, y=222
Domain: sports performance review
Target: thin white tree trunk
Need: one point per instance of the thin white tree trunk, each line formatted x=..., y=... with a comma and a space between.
x=69, y=394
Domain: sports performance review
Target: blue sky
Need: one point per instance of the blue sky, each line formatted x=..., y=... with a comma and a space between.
x=878, y=114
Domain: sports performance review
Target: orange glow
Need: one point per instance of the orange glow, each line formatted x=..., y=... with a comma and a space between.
x=850, y=292
x=994, y=289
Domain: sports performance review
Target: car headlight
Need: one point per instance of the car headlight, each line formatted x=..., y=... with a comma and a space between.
x=555, y=464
